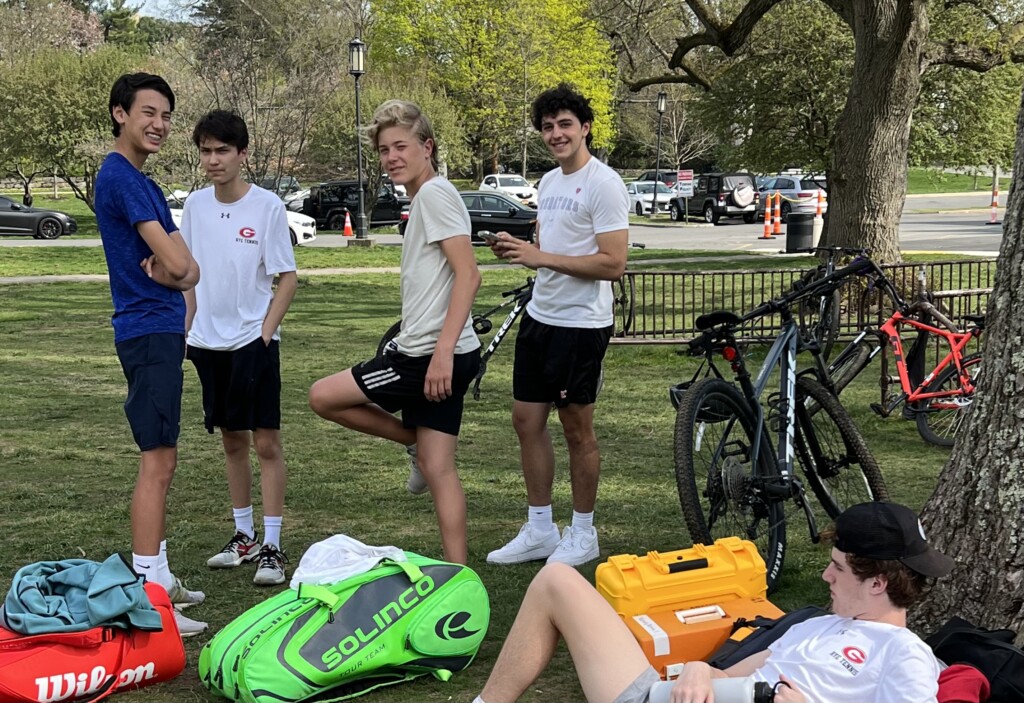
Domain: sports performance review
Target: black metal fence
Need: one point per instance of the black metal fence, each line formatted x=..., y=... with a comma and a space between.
x=659, y=307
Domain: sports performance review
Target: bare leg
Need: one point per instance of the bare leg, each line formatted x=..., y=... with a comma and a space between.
x=560, y=603
x=149, y=501
x=536, y=453
x=436, y=458
x=338, y=398
x=237, y=467
x=273, y=474
x=584, y=456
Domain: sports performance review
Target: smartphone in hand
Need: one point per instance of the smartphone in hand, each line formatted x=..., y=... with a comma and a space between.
x=489, y=237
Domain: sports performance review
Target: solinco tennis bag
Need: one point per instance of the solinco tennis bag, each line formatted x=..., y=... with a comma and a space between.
x=393, y=623
x=90, y=665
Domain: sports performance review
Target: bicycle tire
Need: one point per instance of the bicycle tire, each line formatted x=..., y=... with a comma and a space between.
x=624, y=293
x=832, y=452
x=818, y=322
x=850, y=363
x=939, y=425
x=712, y=447
x=392, y=332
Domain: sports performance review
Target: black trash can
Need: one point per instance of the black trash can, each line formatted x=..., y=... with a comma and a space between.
x=799, y=231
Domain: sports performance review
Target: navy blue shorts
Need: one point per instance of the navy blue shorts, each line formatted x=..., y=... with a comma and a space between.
x=559, y=365
x=241, y=387
x=394, y=381
x=152, y=367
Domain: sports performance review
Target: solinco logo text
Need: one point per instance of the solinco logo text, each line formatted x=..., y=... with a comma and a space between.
x=63, y=686
x=246, y=236
x=382, y=620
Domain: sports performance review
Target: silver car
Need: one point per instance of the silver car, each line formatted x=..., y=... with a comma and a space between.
x=799, y=193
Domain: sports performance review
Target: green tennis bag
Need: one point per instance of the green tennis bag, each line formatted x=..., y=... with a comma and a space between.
x=393, y=623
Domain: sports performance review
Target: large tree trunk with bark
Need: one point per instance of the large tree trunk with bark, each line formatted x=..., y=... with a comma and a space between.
x=869, y=162
x=976, y=514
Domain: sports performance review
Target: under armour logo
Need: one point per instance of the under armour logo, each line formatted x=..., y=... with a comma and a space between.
x=563, y=394
x=225, y=216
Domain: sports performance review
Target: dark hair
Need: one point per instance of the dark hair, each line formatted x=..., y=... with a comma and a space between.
x=224, y=126
x=564, y=97
x=904, y=586
x=127, y=85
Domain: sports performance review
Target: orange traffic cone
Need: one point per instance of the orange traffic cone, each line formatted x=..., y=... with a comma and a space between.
x=767, y=219
x=777, y=225
x=348, y=226
x=993, y=218
x=821, y=204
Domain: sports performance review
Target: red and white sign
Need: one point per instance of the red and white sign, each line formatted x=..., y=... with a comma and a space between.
x=684, y=183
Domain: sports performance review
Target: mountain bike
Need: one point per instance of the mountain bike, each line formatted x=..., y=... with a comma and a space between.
x=819, y=314
x=730, y=478
x=940, y=399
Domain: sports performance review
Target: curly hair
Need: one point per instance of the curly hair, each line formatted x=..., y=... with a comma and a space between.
x=904, y=586
x=395, y=113
x=564, y=97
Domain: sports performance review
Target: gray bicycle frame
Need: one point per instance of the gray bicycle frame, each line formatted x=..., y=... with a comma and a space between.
x=782, y=353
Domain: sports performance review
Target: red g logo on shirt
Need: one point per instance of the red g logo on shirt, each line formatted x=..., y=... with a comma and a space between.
x=855, y=655
x=247, y=232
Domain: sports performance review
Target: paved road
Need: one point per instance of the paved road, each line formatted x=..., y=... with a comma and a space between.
x=959, y=227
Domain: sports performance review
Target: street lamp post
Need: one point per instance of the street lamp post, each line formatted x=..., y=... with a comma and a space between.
x=356, y=55
x=662, y=99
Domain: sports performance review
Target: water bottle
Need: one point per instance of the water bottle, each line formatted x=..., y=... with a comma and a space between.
x=731, y=690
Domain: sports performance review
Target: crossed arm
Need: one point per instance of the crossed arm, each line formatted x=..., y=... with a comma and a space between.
x=171, y=263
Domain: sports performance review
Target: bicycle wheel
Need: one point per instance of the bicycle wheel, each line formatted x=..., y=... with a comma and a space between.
x=939, y=419
x=819, y=317
x=625, y=304
x=850, y=363
x=392, y=332
x=721, y=489
x=832, y=452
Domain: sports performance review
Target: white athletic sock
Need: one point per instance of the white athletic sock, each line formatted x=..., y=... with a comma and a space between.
x=478, y=699
x=583, y=520
x=272, y=530
x=540, y=517
x=243, y=521
x=146, y=566
x=163, y=555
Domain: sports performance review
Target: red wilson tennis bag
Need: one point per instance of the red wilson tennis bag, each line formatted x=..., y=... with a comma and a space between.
x=90, y=665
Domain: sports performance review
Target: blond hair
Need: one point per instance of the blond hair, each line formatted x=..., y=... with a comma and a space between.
x=400, y=113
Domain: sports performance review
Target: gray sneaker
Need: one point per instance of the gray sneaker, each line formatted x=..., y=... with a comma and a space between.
x=239, y=549
x=181, y=597
x=271, y=566
x=417, y=485
x=577, y=546
x=529, y=545
x=187, y=627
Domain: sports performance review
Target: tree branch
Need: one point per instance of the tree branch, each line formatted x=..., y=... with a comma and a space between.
x=729, y=39
x=961, y=55
x=980, y=7
x=690, y=78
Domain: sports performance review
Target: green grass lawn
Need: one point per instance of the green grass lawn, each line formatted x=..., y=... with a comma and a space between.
x=69, y=463
x=929, y=180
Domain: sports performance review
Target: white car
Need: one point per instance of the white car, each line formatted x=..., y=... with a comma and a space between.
x=799, y=194
x=301, y=227
x=641, y=196
x=514, y=186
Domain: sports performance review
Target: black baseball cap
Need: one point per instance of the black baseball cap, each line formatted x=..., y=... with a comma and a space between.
x=880, y=530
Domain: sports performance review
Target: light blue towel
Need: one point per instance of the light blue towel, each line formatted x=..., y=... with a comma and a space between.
x=75, y=595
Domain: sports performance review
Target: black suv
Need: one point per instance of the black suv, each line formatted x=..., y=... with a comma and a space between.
x=718, y=195
x=328, y=202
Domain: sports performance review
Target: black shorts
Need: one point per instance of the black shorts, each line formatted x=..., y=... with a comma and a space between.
x=152, y=367
x=241, y=387
x=394, y=381
x=560, y=365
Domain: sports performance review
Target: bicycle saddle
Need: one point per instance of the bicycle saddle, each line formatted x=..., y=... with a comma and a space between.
x=979, y=320
x=716, y=318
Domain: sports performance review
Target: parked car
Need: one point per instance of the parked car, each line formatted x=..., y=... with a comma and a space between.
x=40, y=223
x=282, y=185
x=328, y=203
x=641, y=196
x=301, y=228
x=718, y=195
x=666, y=177
x=512, y=185
x=293, y=201
x=799, y=193
x=496, y=212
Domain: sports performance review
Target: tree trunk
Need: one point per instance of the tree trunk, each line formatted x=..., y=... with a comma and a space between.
x=872, y=135
x=976, y=514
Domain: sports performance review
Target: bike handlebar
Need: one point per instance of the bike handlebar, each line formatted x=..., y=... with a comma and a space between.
x=521, y=289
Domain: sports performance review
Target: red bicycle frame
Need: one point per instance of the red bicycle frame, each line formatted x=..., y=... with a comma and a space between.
x=956, y=341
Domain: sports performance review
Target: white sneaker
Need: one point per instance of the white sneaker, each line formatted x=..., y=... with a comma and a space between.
x=529, y=545
x=181, y=597
x=271, y=569
x=578, y=546
x=187, y=627
x=416, y=483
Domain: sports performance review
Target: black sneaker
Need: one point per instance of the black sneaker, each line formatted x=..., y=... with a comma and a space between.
x=271, y=566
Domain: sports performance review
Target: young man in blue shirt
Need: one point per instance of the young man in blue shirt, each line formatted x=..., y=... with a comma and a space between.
x=149, y=267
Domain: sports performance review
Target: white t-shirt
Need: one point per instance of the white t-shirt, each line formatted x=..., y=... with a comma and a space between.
x=573, y=210
x=239, y=247
x=437, y=213
x=840, y=660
